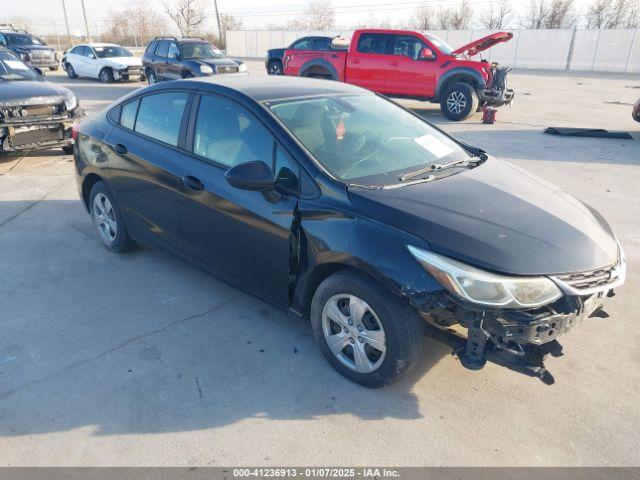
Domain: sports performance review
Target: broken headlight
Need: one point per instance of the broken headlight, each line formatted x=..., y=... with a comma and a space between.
x=486, y=288
x=71, y=102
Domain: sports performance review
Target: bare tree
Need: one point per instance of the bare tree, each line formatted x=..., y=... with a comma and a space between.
x=497, y=16
x=455, y=18
x=135, y=25
x=613, y=14
x=188, y=15
x=535, y=14
x=559, y=14
x=319, y=15
x=423, y=18
x=227, y=22
x=20, y=23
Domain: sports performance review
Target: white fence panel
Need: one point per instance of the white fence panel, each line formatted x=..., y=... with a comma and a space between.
x=597, y=50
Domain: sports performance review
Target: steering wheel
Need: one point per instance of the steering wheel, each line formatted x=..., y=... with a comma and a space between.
x=371, y=155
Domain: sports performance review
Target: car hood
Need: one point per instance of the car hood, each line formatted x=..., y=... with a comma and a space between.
x=31, y=92
x=225, y=62
x=126, y=61
x=484, y=43
x=497, y=217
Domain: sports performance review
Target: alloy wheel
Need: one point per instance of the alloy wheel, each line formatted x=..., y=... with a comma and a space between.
x=354, y=333
x=275, y=69
x=456, y=102
x=151, y=78
x=104, y=218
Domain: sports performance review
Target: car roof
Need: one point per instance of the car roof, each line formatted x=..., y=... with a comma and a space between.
x=270, y=88
x=96, y=44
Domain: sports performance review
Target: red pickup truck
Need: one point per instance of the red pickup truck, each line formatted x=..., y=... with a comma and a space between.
x=409, y=64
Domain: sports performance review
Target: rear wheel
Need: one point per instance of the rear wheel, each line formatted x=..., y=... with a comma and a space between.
x=68, y=149
x=459, y=101
x=70, y=71
x=107, y=219
x=106, y=75
x=275, y=68
x=366, y=333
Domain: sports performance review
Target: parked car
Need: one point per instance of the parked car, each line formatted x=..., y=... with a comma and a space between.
x=171, y=58
x=636, y=111
x=408, y=64
x=104, y=61
x=29, y=48
x=34, y=113
x=273, y=62
x=338, y=205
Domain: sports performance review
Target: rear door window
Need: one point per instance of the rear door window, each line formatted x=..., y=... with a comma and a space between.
x=160, y=116
x=128, y=114
x=302, y=44
x=163, y=49
x=173, y=50
x=374, y=43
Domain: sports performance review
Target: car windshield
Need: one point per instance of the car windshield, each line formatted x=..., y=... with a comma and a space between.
x=200, y=50
x=21, y=39
x=365, y=139
x=12, y=68
x=112, y=51
x=440, y=44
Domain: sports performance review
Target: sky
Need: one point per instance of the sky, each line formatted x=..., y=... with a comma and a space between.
x=46, y=17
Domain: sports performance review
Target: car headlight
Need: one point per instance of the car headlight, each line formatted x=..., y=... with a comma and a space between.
x=70, y=102
x=206, y=69
x=486, y=288
x=242, y=67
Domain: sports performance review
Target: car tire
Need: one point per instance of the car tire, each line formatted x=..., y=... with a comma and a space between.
x=68, y=149
x=53, y=69
x=70, y=71
x=459, y=101
x=151, y=76
x=107, y=219
x=106, y=75
x=275, y=68
x=388, y=322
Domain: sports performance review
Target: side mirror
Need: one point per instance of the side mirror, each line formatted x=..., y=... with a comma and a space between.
x=92, y=56
x=255, y=176
x=175, y=56
x=427, y=54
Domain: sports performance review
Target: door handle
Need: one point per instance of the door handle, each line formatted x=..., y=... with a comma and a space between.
x=193, y=183
x=120, y=149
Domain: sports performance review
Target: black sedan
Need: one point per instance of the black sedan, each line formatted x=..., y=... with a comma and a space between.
x=337, y=205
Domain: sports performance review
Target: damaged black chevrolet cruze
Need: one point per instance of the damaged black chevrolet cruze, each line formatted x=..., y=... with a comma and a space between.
x=340, y=206
x=34, y=113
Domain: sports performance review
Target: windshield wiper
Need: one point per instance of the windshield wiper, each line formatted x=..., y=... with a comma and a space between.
x=432, y=168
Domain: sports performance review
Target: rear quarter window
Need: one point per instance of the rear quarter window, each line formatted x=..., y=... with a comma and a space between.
x=128, y=114
x=160, y=115
x=151, y=47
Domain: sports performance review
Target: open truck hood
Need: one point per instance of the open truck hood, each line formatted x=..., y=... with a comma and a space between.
x=482, y=44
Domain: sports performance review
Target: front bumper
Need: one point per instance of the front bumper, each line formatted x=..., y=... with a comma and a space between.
x=128, y=72
x=38, y=133
x=496, y=98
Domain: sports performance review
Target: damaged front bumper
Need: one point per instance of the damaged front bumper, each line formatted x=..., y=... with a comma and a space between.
x=27, y=133
x=518, y=339
x=496, y=93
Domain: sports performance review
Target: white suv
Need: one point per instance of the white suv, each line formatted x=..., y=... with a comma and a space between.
x=105, y=61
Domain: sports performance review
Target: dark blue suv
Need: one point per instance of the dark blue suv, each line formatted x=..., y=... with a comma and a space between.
x=171, y=58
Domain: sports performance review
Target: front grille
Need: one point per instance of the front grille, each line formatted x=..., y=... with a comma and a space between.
x=41, y=56
x=221, y=69
x=598, y=280
x=134, y=68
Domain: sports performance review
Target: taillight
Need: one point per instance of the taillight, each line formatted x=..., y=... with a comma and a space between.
x=74, y=133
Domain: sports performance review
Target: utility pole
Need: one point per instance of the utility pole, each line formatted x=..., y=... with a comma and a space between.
x=57, y=35
x=86, y=25
x=66, y=21
x=215, y=6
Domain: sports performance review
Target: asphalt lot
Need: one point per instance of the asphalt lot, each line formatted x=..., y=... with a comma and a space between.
x=140, y=359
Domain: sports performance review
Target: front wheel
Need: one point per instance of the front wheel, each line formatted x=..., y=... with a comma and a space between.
x=107, y=219
x=459, y=101
x=70, y=71
x=68, y=149
x=106, y=75
x=365, y=332
x=53, y=69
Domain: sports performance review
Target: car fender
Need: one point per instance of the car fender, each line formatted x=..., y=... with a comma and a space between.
x=467, y=72
x=327, y=240
x=321, y=63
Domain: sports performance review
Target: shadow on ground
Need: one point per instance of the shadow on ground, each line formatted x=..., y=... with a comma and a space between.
x=143, y=342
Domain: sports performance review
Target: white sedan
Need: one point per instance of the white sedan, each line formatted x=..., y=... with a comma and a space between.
x=105, y=61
